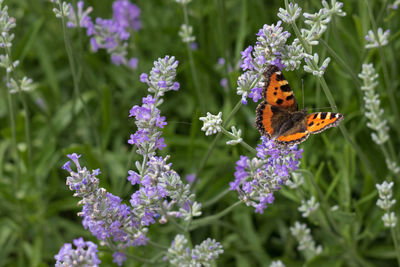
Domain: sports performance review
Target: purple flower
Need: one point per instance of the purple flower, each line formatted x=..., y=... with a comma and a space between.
x=224, y=82
x=190, y=178
x=247, y=60
x=221, y=61
x=133, y=177
x=256, y=179
x=194, y=46
x=110, y=34
x=143, y=78
x=133, y=63
x=256, y=93
x=85, y=254
x=126, y=14
x=119, y=258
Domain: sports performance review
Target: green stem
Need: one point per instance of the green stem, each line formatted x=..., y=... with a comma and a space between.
x=14, y=138
x=324, y=202
x=389, y=85
x=192, y=66
x=75, y=78
x=243, y=143
x=27, y=132
x=209, y=219
x=25, y=107
x=216, y=198
x=216, y=139
x=396, y=244
x=157, y=245
x=349, y=70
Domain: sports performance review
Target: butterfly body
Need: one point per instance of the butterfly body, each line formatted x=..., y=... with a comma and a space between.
x=278, y=116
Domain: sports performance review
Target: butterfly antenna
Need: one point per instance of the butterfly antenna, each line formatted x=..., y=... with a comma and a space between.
x=302, y=90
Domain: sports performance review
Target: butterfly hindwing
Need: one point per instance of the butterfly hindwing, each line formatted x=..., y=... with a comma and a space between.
x=320, y=121
x=277, y=91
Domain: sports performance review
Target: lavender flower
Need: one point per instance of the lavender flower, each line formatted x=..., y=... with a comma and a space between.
x=62, y=9
x=386, y=202
x=306, y=242
x=291, y=14
x=85, y=254
x=308, y=207
x=80, y=17
x=212, y=123
x=110, y=34
x=201, y=255
x=374, y=113
x=186, y=33
x=257, y=179
x=158, y=182
x=148, y=119
x=380, y=39
x=237, y=137
x=312, y=65
x=7, y=23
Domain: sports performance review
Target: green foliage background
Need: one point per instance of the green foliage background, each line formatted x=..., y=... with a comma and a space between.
x=37, y=210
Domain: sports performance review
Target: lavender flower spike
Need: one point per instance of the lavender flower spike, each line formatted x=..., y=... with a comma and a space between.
x=201, y=255
x=85, y=254
x=257, y=179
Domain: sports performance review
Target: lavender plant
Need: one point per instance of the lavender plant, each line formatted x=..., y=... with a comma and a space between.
x=161, y=195
x=109, y=34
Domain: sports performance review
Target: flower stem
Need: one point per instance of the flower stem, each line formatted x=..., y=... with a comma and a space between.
x=216, y=139
x=396, y=244
x=243, y=143
x=216, y=198
x=192, y=66
x=14, y=138
x=209, y=219
x=75, y=79
x=25, y=107
x=342, y=63
x=157, y=245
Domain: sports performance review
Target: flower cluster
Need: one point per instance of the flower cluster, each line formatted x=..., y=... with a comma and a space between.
x=272, y=48
x=378, y=39
x=85, y=254
x=257, y=179
x=110, y=34
x=306, y=242
x=201, y=255
x=160, y=194
x=212, y=123
x=7, y=23
x=148, y=120
x=308, y=207
x=374, y=113
x=186, y=30
x=103, y=213
x=385, y=202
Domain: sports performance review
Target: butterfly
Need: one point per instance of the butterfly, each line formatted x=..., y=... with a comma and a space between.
x=279, y=118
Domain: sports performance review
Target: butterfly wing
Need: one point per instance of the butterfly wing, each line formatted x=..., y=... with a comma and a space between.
x=277, y=91
x=269, y=118
x=320, y=121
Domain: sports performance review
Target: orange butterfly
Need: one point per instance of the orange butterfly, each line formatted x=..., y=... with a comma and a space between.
x=279, y=118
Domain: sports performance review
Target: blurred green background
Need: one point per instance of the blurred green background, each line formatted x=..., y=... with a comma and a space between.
x=37, y=210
